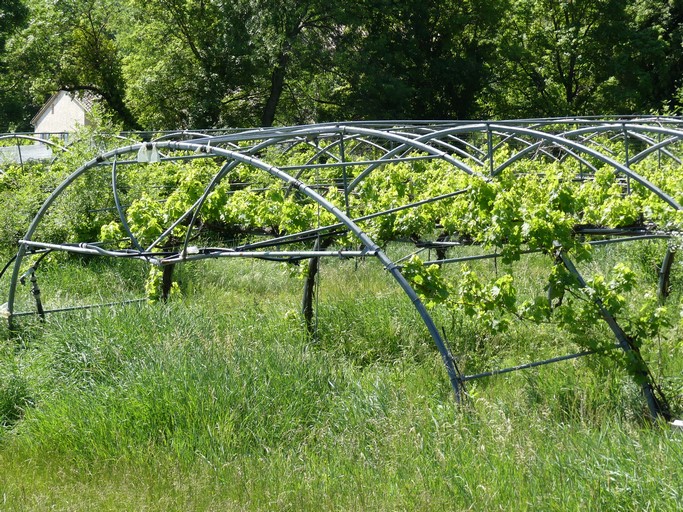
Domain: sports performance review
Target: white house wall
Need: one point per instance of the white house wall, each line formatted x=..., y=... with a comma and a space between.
x=64, y=114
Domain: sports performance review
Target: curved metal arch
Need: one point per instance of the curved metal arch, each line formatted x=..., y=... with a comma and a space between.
x=369, y=244
x=674, y=134
x=326, y=131
x=358, y=142
x=504, y=134
x=588, y=140
x=485, y=128
x=507, y=137
x=436, y=135
x=418, y=143
x=561, y=141
x=338, y=141
x=462, y=152
x=657, y=146
x=43, y=209
x=532, y=147
x=432, y=137
x=453, y=149
x=273, y=137
x=36, y=139
x=277, y=136
x=298, y=141
x=323, y=151
x=620, y=128
x=192, y=135
x=415, y=144
x=520, y=154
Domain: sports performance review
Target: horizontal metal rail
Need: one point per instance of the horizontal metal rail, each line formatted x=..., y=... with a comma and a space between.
x=94, y=250
x=534, y=364
x=536, y=251
x=78, y=308
x=295, y=236
x=350, y=163
x=194, y=253
x=279, y=255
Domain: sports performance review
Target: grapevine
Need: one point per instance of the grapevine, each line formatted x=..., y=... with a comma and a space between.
x=352, y=189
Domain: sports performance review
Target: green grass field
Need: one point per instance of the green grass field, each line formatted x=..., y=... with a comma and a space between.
x=218, y=401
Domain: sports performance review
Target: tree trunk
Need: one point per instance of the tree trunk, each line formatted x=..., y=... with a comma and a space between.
x=277, y=84
x=309, y=286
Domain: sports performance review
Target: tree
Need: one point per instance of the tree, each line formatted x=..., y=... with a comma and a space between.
x=13, y=15
x=186, y=64
x=656, y=51
x=299, y=37
x=422, y=59
x=564, y=57
x=70, y=45
x=225, y=63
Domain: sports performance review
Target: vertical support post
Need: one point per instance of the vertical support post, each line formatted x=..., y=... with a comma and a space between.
x=309, y=295
x=489, y=145
x=21, y=160
x=657, y=405
x=36, y=295
x=35, y=290
x=665, y=275
x=344, y=175
x=307, y=309
x=627, y=159
x=441, y=250
x=166, y=281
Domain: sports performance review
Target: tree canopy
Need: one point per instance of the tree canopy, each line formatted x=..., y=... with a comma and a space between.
x=210, y=63
x=13, y=15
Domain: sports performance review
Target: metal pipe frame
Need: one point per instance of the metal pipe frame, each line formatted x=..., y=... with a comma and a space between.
x=358, y=149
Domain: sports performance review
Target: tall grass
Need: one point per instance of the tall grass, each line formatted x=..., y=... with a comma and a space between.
x=219, y=401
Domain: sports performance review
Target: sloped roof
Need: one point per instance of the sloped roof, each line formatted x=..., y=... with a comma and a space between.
x=84, y=99
x=87, y=99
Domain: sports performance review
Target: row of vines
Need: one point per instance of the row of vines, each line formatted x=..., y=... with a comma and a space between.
x=415, y=206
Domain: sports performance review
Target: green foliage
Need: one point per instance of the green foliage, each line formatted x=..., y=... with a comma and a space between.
x=418, y=60
x=13, y=16
x=581, y=57
x=426, y=281
x=577, y=309
x=15, y=398
x=154, y=284
x=201, y=64
x=223, y=384
x=227, y=63
x=71, y=46
x=185, y=406
x=514, y=211
x=22, y=191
